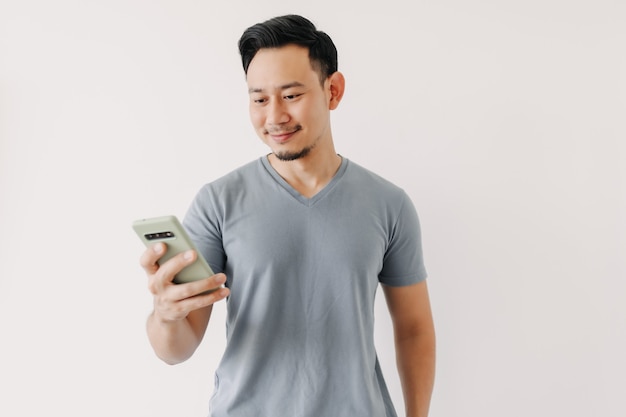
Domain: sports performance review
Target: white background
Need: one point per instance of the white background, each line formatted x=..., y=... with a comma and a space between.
x=504, y=121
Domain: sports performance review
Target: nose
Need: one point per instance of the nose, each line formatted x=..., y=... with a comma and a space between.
x=276, y=113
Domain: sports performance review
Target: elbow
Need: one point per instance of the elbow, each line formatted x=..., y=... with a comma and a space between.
x=172, y=360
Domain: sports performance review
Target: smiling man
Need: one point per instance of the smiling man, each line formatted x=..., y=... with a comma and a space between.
x=301, y=238
x=290, y=105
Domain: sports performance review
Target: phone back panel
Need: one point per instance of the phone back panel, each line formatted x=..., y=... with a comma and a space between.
x=169, y=230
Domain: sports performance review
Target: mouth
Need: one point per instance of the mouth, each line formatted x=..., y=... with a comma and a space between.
x=280, y=136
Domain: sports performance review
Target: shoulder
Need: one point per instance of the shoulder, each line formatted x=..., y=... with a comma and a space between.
x=239, y=175
x=236, y=181
x=215, y=199
x=368, y=183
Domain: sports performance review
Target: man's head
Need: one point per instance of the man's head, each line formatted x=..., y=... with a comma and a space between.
x=293, y=84
x=290, y=29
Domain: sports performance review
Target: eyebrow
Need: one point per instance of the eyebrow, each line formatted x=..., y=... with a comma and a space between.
x=282, y=87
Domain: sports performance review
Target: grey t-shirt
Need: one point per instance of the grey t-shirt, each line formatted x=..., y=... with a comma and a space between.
x=303, y=274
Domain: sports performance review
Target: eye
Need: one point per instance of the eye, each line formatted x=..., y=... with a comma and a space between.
x=291, y=97
x=259, y=100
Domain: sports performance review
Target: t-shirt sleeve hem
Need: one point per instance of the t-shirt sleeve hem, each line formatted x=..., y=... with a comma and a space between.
x=418, y=277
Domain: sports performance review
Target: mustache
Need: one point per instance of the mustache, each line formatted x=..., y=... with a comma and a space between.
x=282, y=130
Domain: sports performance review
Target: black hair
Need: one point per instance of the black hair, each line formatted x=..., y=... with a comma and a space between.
x=290, y=29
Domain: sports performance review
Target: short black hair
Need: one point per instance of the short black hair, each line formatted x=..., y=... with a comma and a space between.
x=290, y=29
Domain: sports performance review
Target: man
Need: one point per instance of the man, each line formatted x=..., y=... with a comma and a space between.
x=301, y=238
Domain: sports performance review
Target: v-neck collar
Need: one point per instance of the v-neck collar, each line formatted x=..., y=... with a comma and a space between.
x=294, y=193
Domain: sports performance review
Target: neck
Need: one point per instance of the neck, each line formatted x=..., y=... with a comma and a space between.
x=310, y=174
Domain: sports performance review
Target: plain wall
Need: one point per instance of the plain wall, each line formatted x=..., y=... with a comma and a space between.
x=504, y=121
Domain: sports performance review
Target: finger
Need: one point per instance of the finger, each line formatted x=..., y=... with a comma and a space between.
x=150, y=257
x=216, y=281
x=213, y=297
x=177, y=301
x=181, y=308
x=205, y=299
x=168, y=270
x=200, y=287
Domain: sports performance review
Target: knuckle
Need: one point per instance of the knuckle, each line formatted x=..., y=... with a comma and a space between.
x=186, y=291
x=179, y=311
x=152, y=287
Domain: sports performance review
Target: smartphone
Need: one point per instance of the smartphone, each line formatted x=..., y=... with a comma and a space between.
x=169, y=230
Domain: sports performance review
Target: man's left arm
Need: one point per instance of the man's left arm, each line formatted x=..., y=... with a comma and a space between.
x=414, y=334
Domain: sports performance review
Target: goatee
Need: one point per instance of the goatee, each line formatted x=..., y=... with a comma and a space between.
x=292, y=156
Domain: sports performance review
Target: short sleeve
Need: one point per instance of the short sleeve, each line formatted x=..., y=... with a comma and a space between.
x=403, y=263
x=203, y=224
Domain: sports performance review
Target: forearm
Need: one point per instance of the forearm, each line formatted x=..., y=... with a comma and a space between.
x=415, y=357
x=172, y=341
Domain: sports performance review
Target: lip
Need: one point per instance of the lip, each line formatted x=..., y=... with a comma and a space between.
x=282, y=137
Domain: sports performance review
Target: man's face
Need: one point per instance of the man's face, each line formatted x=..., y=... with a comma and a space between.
x=289, y=108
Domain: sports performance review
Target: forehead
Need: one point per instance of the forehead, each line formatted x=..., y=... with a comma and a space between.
x=272, y=67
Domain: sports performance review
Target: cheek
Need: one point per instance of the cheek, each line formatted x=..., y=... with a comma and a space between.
x=256, y=117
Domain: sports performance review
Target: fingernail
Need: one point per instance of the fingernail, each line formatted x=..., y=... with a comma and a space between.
x=158, y=248
x=188, y=255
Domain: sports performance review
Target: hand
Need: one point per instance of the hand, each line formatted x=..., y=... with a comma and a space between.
x=174, y=302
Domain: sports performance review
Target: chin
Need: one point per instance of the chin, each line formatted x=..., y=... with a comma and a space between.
x=292, y=155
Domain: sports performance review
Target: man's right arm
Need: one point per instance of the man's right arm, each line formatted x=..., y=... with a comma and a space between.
x=181, y=312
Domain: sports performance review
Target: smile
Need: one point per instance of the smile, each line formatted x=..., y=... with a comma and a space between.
x=282, y=137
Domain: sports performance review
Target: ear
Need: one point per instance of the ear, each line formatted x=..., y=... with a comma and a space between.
x=337, y=85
